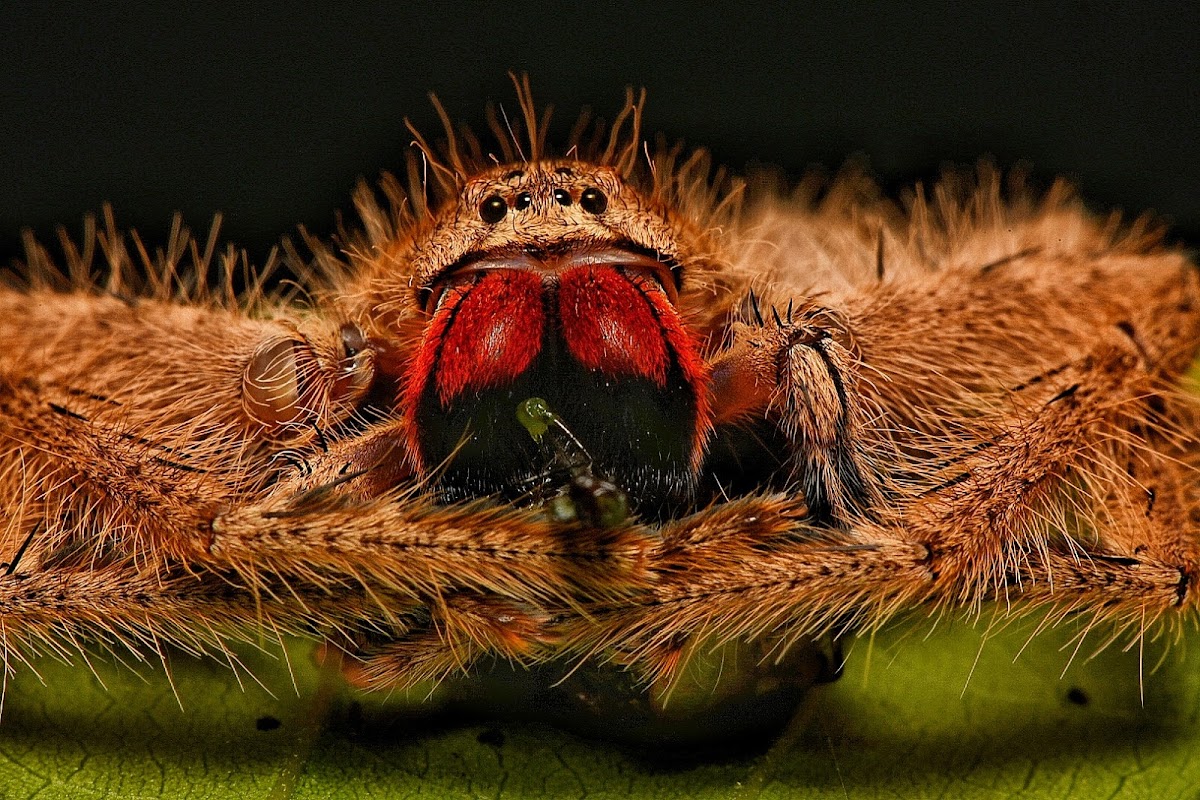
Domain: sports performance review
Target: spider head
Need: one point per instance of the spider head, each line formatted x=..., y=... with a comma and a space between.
x=556, y=280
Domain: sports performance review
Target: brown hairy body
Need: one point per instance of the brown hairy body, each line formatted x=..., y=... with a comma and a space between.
x=972, y=396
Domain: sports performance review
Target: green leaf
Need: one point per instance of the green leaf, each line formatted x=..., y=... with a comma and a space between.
x=950, y=713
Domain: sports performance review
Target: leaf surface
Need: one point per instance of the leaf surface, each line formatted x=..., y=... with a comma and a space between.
x=942, y=714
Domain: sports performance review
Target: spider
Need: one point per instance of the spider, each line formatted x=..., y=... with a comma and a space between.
x=596, y=405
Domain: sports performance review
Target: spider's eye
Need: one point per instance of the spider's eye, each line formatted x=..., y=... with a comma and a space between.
x=593, y=201
x=562, y=197
x=493, y=209
x=523, y=201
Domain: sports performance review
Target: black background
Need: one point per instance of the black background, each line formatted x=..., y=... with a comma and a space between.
x=270, y=114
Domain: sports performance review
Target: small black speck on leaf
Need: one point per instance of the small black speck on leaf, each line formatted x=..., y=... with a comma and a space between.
x=265, y=724
x=1077, y=696
x=492, y=737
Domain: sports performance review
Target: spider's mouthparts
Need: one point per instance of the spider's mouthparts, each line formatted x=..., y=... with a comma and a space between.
x=584, y=495
x=601, y=341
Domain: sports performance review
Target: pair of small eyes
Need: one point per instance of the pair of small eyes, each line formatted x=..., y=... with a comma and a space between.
x=494, y=208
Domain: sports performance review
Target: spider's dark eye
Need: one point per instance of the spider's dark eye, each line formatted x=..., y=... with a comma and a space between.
x=493, y=209
x=593, y=201
x=523, y=201
x=562, y=197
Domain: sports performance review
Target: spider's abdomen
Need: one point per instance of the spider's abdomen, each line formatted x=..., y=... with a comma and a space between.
x=602, y=345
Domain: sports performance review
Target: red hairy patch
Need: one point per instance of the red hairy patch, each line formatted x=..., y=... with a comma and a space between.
x=622, y=325
x=482, y=336
x=612, y=326
x=489, y=328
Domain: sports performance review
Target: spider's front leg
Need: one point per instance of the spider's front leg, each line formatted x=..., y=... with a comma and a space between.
x=799, y=367
x=123, y=422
